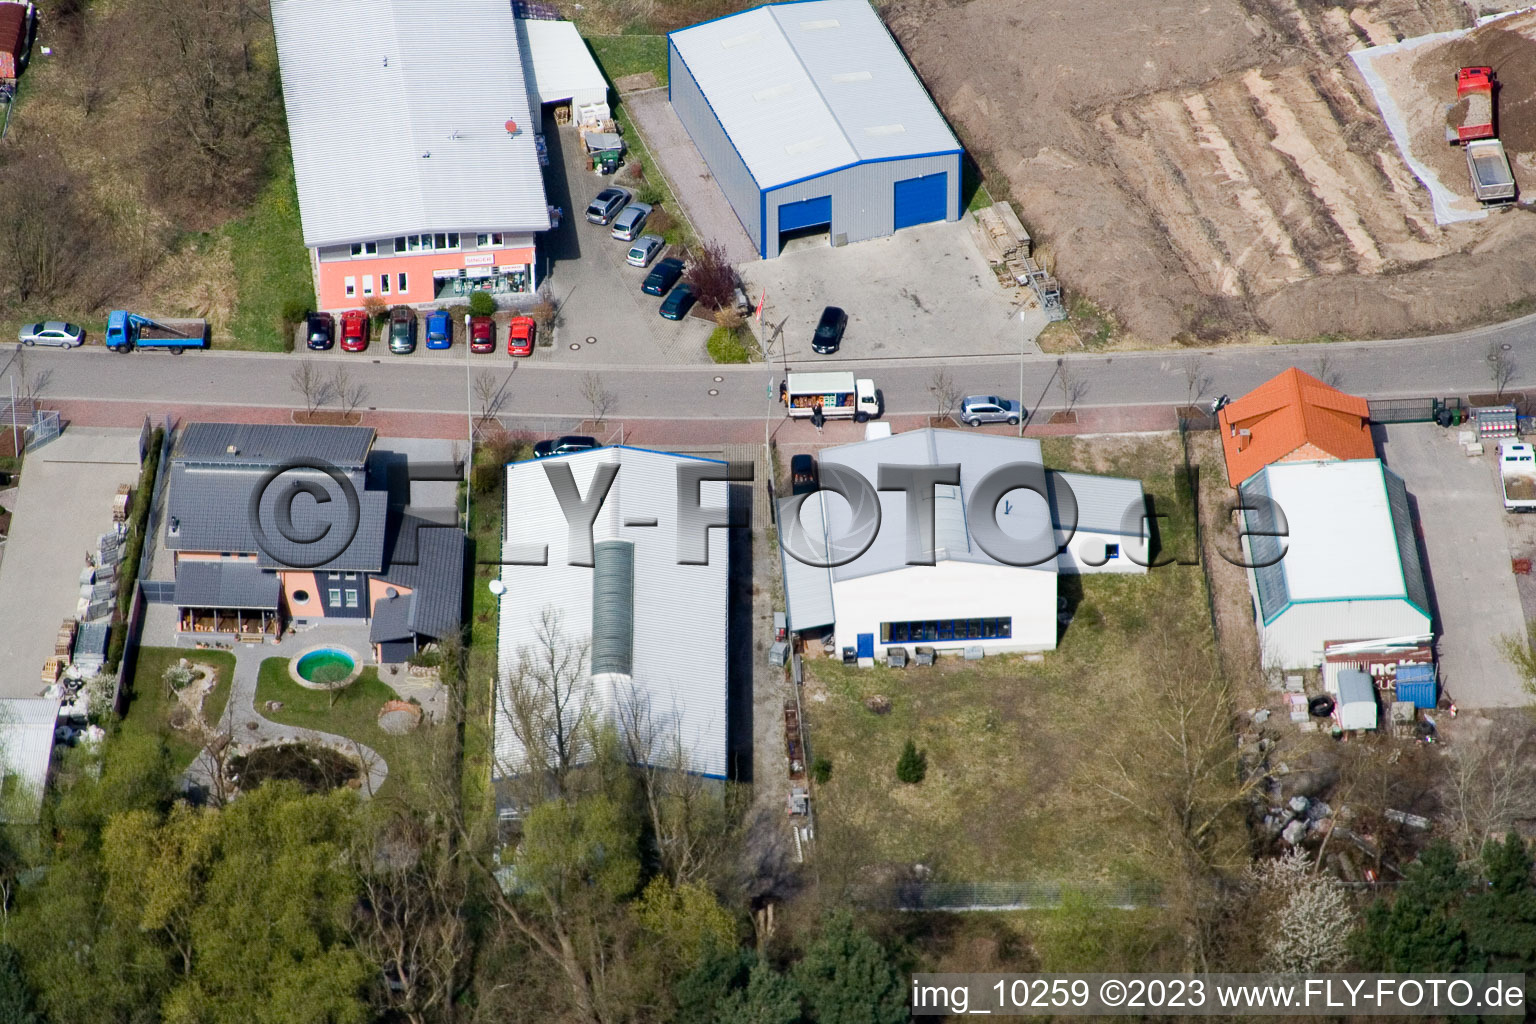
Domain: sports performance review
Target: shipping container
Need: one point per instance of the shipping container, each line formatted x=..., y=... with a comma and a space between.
x=1416, y=684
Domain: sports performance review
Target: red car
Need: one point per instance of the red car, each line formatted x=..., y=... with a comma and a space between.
x=520, y=336
x=482, y=334
x=354, y=331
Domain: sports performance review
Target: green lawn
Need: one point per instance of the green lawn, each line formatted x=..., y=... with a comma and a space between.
x=1016, y=747
x=727, y=346
x=150, y=704
x=619, y=56
x=354, y=715
x=485, y=541
x=271, y=262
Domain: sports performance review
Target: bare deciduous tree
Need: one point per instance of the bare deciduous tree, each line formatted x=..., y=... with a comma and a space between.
x=1197, y=380
x=1073, y=388
x=599, y=399
x=311, y=384
x=1501, y=368
x=945, y=394
x=45, y=237
x=347, y=391
x=546, y=701
x=1491, y=780
x=491, y=392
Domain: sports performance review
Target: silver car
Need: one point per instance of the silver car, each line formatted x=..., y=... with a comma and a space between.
x=978, y=409
x=627, y=225
x=54, y=332
x=644, y=250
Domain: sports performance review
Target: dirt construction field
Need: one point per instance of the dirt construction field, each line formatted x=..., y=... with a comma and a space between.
x=1216, y=169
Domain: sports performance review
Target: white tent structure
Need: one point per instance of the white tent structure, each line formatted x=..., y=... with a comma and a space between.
x=27, y=727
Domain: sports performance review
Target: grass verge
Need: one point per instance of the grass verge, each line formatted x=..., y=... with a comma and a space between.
x=728, y=346
x=621, y=56
x=1016, y=748
x=271, y=263
x=149, y=710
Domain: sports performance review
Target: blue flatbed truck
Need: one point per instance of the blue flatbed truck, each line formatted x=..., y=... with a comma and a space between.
x=127, y=331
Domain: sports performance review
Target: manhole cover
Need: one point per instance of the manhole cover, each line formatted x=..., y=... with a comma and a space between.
x=575, y=347
x=714, y=391
x=719, y=379
x=1505, y=346
x=591, y=340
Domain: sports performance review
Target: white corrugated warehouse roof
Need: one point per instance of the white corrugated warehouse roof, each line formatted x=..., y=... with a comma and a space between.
x=1342, y=542
x=806, y=88
x=26, y=748
x=396, y=112
x=677, y=657
x=558, y=64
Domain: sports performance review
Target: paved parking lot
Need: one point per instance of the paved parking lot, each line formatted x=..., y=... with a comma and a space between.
x=1465, y=538
x=63, y=504
x=924, y=291
x=598, y=293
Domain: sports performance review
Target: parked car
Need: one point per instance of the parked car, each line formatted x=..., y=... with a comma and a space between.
x=482, y=334
x=677, y=305
x=606, y=205
x=319, y=331
x=564, y=446
x=663, y=276
x=644, y=250
x=802, y=474
x=402, y=330
x=520, y=333
x=628, y=224
x=354, y=331
x=439, y=329
x=829, y=331
x=978, y=409
x=52, y=332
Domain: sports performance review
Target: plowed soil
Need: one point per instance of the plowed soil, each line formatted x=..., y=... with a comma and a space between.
x=1220, y=169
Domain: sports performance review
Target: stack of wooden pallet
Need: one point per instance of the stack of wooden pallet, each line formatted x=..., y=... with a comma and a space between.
x=120, y=504
x=999, y=234
x=52, y=669
x=64, y=643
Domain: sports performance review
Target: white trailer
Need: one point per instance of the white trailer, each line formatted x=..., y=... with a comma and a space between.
x=837, y=394
x=1517, y=475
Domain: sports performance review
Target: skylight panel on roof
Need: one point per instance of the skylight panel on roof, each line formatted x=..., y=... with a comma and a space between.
x=762, y=95
x=796, y=148
x=820, y=23
x=852, y=76
x=741, y=40
x=885, y=129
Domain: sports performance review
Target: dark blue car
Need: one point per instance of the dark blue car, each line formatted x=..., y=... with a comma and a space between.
x=676, y=305
x=663, y=276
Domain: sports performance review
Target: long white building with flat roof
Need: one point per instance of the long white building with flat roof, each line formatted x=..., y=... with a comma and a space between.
x=635, y=629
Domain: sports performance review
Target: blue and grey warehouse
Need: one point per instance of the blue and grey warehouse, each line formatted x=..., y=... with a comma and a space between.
x=812, y=122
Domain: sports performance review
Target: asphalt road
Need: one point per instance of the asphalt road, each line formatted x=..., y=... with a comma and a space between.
x=1442, y=365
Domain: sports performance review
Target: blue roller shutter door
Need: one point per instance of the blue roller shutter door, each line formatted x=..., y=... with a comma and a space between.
x=922, y=200
x=806, y=213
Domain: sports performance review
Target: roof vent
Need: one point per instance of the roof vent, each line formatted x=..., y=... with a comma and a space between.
x=510, y=126
x=886, y=129
x=232, y=450
x=852, y=76
x=391, y=593
x=426, y=155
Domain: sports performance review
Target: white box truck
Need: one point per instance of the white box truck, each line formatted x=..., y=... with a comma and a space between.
x=838, y=394
x=1517, y=473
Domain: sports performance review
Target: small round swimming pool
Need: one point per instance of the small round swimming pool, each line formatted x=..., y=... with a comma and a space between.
x=326, y=666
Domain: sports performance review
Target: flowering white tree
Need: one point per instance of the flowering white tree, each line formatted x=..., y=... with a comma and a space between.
x=1310, y=915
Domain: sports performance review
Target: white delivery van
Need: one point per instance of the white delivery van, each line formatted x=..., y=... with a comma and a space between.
x=838, y=395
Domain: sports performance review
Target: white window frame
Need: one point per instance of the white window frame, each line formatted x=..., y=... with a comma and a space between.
x=361, y=249
x=351, y=597
x=384, y=283
x=399, y=243
x=335, y=595
x=401, y=280
x=351, y=284
x=367, y=284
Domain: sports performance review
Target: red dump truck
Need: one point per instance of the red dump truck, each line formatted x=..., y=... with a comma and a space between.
x=15, y=36
x=1475, y=87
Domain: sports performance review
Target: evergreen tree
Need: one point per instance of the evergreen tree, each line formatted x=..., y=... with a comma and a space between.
x=1501, y=919
x=1420, y=930
x=769, y=998
x=16, y=1002
x=847, y=978
x=912, y=766
x=701, y=992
